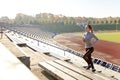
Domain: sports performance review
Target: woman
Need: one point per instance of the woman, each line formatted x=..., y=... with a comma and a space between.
x=89, y=39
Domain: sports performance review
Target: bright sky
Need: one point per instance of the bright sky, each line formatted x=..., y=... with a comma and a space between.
x=87, y=8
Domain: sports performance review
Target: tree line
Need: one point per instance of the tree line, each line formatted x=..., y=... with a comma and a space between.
x=48, y=18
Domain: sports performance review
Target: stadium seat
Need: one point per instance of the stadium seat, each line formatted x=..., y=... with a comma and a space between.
x=98, y=62
x=119, y=70
x=108, y=65
x=103, y=64
x=77, y=54
x=115, y=68
x=95, y=60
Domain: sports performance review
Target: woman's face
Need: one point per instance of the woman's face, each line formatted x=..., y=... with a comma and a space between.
x=87, y=29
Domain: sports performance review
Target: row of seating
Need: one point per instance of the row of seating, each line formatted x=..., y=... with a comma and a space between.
x=15, y=40
x=106, y=64
x=40, y=33
x=33, y=35
x=37, y=48
x=43, y=35
x=75, y=52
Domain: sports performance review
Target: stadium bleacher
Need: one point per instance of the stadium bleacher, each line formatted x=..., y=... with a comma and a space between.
x=45, y=37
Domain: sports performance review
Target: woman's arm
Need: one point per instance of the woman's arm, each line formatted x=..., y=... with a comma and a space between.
x=95, y=39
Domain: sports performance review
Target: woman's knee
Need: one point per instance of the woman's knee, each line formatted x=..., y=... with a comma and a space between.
x=85, y=57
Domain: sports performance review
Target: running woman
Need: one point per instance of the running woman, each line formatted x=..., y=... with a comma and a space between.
x=89, y=39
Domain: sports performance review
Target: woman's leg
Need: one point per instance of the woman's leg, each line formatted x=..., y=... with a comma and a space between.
x=87, y=57
x=90, y=59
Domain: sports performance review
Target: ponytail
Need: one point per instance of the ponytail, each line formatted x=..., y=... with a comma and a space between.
x=92, y=30
x=90, y=27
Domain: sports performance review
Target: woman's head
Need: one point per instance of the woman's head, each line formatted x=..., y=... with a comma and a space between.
x=88, y=28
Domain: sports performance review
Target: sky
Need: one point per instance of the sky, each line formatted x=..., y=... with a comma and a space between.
x=75, y=8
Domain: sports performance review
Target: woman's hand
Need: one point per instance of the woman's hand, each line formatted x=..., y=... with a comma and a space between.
x=93, y=41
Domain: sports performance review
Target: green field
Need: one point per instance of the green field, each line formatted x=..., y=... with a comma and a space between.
x=112, y=36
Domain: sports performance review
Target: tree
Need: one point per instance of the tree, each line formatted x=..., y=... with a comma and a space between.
x=106, y=22
x=93, y=21
x=24, y=19
x=48, y=18
x=119, y=21
x=115, y=21
x=89, y=22
x=5, y=19
x=110, y=22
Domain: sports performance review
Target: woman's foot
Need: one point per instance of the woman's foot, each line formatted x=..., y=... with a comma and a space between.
x=89, y=66
x=93, y=70
x=85, y=66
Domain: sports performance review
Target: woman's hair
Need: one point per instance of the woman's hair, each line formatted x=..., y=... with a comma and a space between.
x=90, y=27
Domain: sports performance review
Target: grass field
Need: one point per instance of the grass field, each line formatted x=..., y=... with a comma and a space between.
x=112, y=36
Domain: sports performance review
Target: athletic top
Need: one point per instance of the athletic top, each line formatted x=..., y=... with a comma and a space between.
x=87, y=38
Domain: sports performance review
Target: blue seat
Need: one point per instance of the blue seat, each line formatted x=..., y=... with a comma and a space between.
x=119, y=70
x=103, y=64
x=115, y=68
x=95, y=60
x=74, y=52
x=78, y=54
x=108, y=65
x=98, y=62
x=81, y=55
